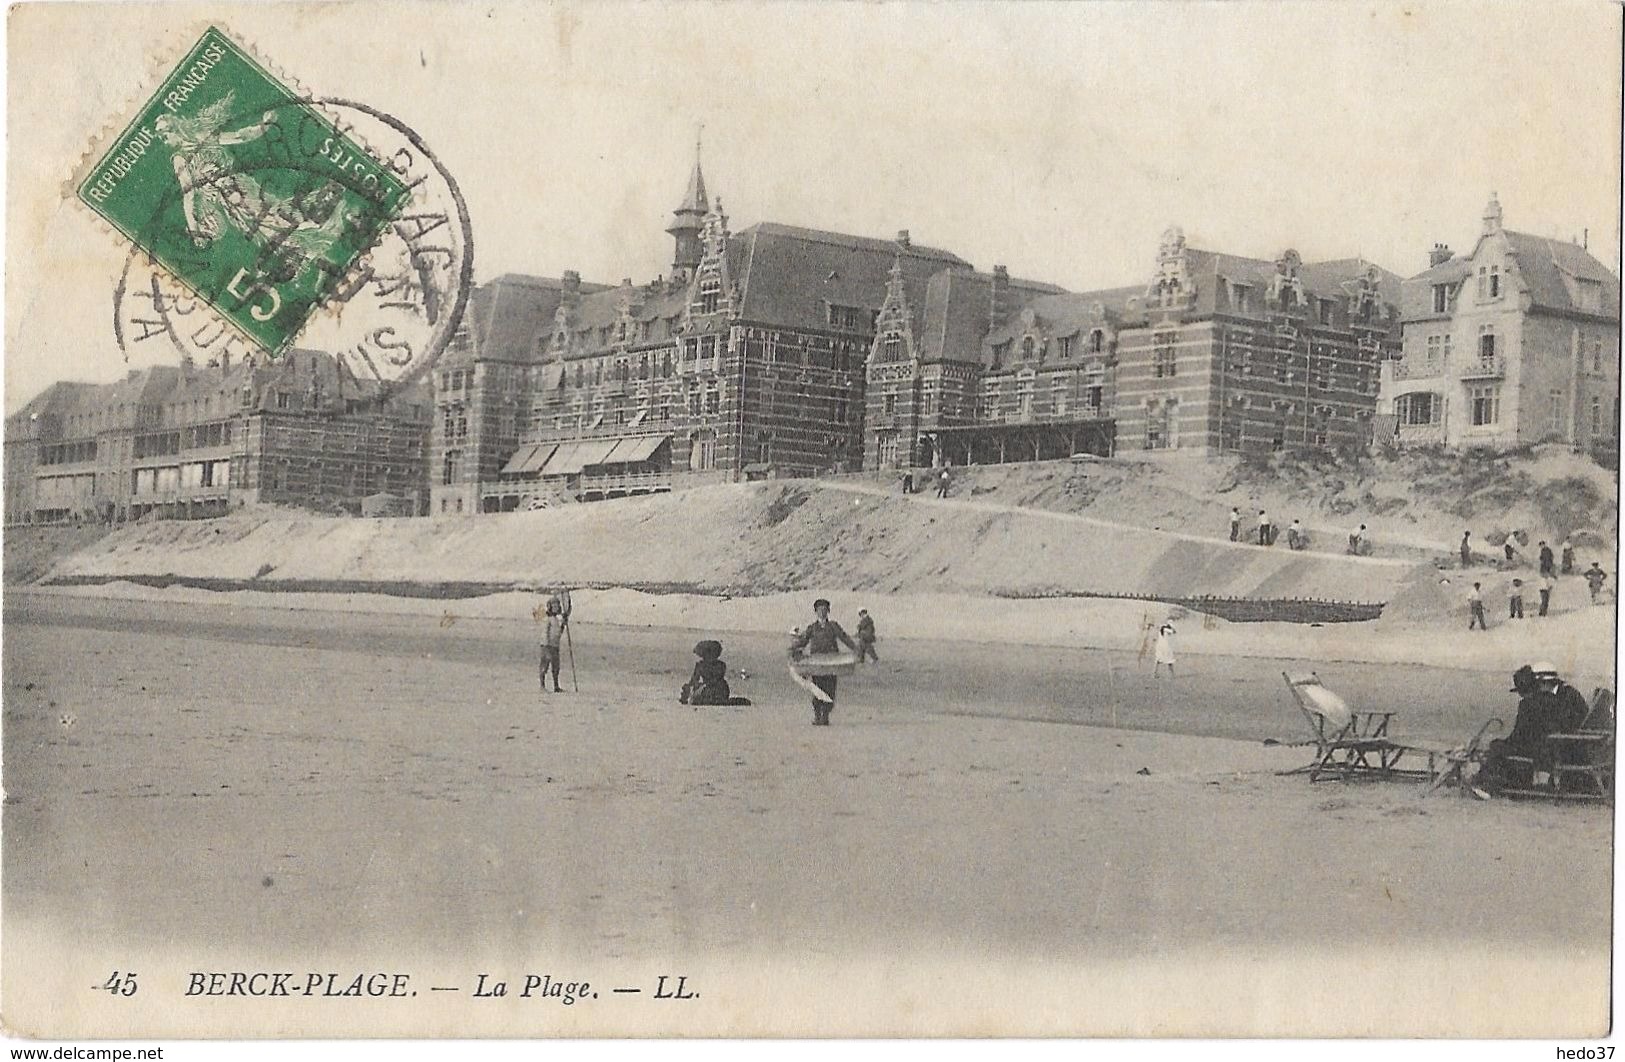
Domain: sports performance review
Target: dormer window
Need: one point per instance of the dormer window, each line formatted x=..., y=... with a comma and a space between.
x=892, y=349
x=1027, y=349
x=1441, y=298
x=1001, y=353
x=1495, y=282
x=710, y=294
x=1097, y=341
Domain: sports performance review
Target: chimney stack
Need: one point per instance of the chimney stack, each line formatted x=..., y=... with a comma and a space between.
x=1439, y=255
x=1000, y=309
x=572, y=281
x=903, y=239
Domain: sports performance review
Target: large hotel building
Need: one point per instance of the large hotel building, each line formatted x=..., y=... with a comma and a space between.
x=782, y=351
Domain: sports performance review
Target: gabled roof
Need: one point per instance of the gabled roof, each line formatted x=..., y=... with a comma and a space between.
x=1332, y=279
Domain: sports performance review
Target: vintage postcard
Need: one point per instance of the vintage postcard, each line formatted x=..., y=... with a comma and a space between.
x=810, y=520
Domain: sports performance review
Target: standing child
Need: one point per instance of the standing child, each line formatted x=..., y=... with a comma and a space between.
x=866, y=637
x=1515, y=600
x=1466, y=549
x=1567, y=549
x=1165, y=650
x=1548, y=582
x=552, y=636
x=1475, y=606
x=1235, y=524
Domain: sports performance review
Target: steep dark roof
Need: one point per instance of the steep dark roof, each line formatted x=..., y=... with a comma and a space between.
x=789, y=276
x=958, y=309
x=1550, y=268
x=506, y=315
x=1070, y=313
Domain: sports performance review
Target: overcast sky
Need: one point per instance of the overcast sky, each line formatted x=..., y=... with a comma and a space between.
x=1059, y=140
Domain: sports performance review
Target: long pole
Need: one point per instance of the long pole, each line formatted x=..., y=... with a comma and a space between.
x=570, y=646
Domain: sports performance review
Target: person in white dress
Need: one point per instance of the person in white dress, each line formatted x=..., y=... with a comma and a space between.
x=1165, y=650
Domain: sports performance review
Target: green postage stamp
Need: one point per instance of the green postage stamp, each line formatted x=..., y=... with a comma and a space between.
x=247, y=193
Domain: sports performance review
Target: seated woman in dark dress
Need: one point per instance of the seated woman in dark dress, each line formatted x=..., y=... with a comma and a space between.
x=709, y=682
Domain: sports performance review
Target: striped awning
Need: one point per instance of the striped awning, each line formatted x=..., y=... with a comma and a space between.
x=594, y=451
x=517, y=461
x=539, y=458
x=563, y=461
x=631, y=451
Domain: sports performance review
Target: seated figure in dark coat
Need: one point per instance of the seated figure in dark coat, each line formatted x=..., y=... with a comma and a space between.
x=709, y=682
x=1547, y=705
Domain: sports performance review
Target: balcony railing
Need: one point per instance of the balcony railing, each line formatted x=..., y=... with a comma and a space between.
x=1483, y=368
x=1417, y=370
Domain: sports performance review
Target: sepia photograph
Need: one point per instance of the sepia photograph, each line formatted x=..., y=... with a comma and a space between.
x=810, y=520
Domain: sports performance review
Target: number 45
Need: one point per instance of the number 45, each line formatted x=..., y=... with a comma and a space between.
x=120, y=984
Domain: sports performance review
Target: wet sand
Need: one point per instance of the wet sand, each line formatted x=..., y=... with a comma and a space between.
x=188, y=777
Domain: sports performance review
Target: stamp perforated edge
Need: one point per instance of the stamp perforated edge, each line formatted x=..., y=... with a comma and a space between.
x=159, y=66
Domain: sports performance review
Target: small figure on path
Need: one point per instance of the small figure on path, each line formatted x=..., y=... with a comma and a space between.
x=1548, y=560
x=552, y=637
x=822, y=637
x=1266, y=533
x=1567, y=550
x=942, y=484
x=1294, y=535
x=1594, y=577
x=1235, y=524
x=866, y=637
x=1515, y=600
x=908, y=482
x=1475, y=606
x=1466, y=549
x=1164, y=651
x=1357, y=541
x=1548, y=582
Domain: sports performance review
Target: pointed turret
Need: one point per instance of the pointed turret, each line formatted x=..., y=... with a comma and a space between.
x=687, y=221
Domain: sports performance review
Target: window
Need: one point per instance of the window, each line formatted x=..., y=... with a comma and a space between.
x=1057, y=399
x=1554, y=412
x=1001, y=353
x=1486, y=405
x=1441, y=298
x=1486, y=343
x=665, y=363
x=1164, y=363
x=889, y=401
x=1596, y=354
x=1097, y=341
x=1420, y=407
x=1325, y=308
x=713, y=399
x=449, y=472
x=703, y=455
x=1596, y=415
x=710, y=293
x=1483, y=281
x=1024, y=397
x=840, y=411
x=1067, y=343
x=893, y=349
x=1495, y=282
x=1027, y=349
x=581, y=374
x=283, y=400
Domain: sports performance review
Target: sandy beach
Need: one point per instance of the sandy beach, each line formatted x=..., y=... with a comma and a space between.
x=211, y=784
